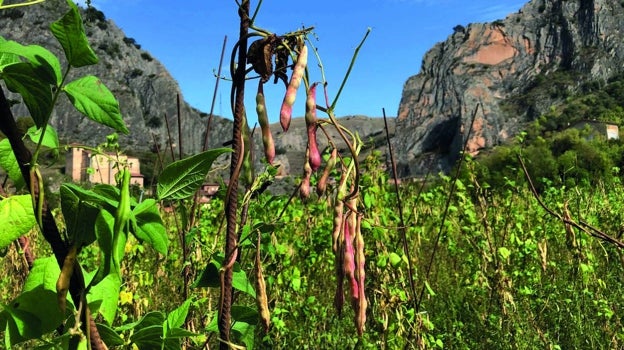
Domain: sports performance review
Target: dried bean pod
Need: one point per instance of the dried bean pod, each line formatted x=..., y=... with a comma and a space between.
x=261, y=295
x=339, y=296
x=304, y=187
x=310, y=119
x=360, y=273
x=293, y=86
x=338, y=226
x=263, y=120
x=67, y=270
x=349, y=259
x=321, y=185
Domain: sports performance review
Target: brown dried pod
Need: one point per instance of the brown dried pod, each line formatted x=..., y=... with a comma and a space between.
x=304, y=187
x=360, y=273
x=261, y=294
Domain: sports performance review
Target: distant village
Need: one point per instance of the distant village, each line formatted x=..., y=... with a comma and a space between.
x=83, y=166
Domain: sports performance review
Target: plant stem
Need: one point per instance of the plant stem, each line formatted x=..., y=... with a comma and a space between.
x=238, y=86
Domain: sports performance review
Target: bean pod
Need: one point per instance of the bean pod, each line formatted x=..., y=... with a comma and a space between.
x=310, y=118
x=304, y=188
x=293, y=86
x=263, y=120
x=360, y=260
x=261, y=294
x=321, y=185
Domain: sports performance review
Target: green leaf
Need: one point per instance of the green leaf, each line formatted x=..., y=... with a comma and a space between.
x=429, y=289
x=104, y=223
x=45, y=63
x=148, y=225
x=180, y=180
x=210, y=277
x=504, y=253
x=79, y=215
x=50, y=139
x=7, y=58
x=244, y=314
x=43, y=305
x=176, y=318
x=8, y=162
x=39, y=294
x=179, y=333
x=95, y=196
x=21, y=325
x=17, y=218
x=106, y=291
x=23, y=79
x=245, y=333
x=148, y=337
x=149, y=319
x=109, y=336
x=45, y=272
x=70, y=32
x=93, y=99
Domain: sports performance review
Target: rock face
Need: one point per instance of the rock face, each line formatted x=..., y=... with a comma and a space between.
x=145, y=90
x=494, y=66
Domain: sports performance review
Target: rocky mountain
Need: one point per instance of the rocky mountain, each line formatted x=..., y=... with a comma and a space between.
x=511, y=67
x=146, y=92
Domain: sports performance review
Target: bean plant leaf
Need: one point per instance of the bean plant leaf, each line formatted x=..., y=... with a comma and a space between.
x=44, y=273
x=149, y=319
x=45, y=63
x=79, y=216
x=70, y=33
x=50, y=138
x=106, y=294
x=96, y=195
x=109, y=336
x=176, y=318
x=148, y=226
x=17, y=218
x=210, y=277
x=180, y=180
x=8, y=162
x=104, y=234
x=152, y=338
x=93, y=99
x=179, y=333
x=38, y=300
x=245, y=332
x=20, y=326
x=22, y=78
x=7, y=59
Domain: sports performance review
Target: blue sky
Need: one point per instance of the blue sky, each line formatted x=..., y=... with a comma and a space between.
x=187, y=37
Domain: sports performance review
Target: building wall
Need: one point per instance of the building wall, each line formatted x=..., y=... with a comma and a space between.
x=104, y=169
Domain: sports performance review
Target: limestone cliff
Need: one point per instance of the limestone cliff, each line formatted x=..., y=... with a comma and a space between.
x=498, y=65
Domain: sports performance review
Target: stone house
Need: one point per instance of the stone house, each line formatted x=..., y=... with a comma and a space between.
x=602, y=129
x=103, y=168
